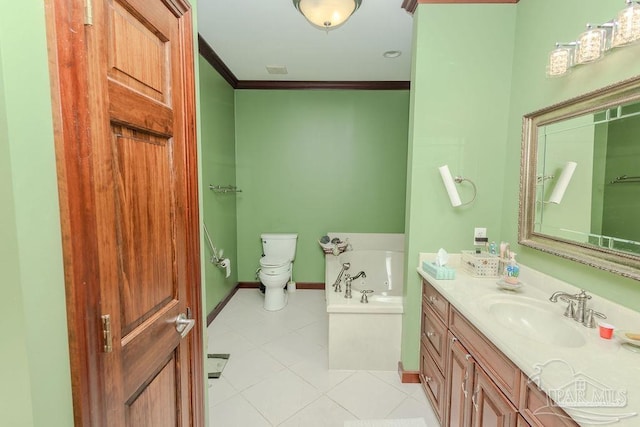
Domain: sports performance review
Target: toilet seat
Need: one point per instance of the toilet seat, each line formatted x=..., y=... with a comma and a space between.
x=274, y=266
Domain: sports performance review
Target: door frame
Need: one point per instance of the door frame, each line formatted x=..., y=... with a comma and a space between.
x=66, y=44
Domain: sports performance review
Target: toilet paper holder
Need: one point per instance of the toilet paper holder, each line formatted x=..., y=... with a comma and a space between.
x=216, y=255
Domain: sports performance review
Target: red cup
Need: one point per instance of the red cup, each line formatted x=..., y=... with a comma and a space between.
x=606, y=331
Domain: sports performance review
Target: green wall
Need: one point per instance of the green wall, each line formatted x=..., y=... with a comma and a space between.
x=317, y=161
x=38, y=391
x=15, y=395
x=459, y=110
x=621, y=201
x=218, y=167
x=531, y=91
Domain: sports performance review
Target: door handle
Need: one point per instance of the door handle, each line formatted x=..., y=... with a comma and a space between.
x=184, y=325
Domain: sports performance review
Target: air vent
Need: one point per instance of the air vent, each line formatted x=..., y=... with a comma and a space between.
x=277, y=69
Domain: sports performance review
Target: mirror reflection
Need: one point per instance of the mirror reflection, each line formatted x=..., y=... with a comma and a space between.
x=580, y=179
x=588, y=178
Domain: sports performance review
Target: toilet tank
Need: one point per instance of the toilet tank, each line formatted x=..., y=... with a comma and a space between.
x=279, y=245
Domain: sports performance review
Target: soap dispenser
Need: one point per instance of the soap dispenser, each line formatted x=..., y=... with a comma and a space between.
x=512, y=270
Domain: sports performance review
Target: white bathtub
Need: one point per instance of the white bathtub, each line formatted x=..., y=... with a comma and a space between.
x=366, y=336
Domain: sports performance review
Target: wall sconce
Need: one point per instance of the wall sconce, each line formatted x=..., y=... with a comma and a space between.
x=596, y=41
x=561, y=186
x=327, y=14
x=450, y=186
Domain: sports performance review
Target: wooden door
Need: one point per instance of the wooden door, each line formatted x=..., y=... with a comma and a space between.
x=122, y=73
x=490, y=407
x=460, y=366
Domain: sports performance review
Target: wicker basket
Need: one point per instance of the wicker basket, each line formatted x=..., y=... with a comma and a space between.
x=481, y=265
x=327, y=248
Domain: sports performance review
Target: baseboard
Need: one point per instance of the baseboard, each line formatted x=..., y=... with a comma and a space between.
x=408, y=376
x=253, y=285
x=299, y=285
x=218, y=308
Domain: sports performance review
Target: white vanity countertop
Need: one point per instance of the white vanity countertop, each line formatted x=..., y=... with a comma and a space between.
x=599, y=381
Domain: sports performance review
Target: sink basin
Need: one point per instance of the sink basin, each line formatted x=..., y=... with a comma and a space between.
x=536, y=320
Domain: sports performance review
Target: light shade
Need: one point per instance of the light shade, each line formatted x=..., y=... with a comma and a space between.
x=561, y=186
x=627, y=28
x=560, y=59
x=450, y=186
x=590, y=45
x=327, y=14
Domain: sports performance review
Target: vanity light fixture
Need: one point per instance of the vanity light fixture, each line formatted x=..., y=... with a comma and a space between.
x=450, y=186
x=592, y=44
x=327, y=14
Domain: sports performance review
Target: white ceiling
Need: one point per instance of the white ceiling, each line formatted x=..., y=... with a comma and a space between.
x=249, y=35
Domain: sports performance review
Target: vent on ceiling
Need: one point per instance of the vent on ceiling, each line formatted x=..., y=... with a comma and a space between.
x=277, y=69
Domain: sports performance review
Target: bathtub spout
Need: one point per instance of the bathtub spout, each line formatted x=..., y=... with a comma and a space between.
x=336, y=284
x=361, y=274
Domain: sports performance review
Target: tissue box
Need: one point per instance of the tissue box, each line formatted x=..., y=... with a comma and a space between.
x=437, y=272
x=481, y=265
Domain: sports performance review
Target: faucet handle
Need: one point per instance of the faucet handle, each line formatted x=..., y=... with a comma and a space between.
x=364, y=298
x=589, y=321
x=570, y=311
x=583, y=294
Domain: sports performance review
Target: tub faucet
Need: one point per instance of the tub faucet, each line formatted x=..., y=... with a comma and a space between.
x=348, y=279
x=336, y=284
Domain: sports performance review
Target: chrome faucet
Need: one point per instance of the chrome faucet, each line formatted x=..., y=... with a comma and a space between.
x=348, y=279
x=577, y=308
x=336, y=284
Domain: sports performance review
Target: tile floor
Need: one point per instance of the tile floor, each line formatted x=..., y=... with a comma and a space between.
x=277, y=374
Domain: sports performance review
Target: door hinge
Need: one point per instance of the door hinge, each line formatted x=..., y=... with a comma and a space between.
x=88, y=12
x=106, y=334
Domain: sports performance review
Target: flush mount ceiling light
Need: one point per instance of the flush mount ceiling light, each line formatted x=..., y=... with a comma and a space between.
x=327, y=14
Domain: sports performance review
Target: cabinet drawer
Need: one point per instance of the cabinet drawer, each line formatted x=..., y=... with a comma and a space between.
x=434, y=336
x=501, y=370
x=538, y=409
x=436, y=301
x=432, y=382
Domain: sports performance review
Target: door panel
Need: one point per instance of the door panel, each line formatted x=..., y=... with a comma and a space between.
x=155, y=405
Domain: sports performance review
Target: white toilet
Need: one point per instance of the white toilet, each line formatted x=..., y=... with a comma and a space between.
x=275, y=267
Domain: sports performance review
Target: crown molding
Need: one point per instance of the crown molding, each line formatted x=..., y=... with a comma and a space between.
x=214, y=60
x=411, y=5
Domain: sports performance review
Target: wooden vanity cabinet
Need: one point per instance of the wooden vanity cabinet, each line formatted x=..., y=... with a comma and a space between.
x=537, y=408
x=433, y=348
x=468, y=380
x=473, y=398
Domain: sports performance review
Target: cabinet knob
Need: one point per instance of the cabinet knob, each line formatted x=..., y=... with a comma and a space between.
x=454, y=339
x=427, y=379
x=431, y=334
x=432, y=299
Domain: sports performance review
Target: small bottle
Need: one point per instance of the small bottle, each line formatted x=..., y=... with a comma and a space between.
x=493, y=248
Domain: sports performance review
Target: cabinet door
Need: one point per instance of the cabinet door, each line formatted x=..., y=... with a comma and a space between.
x=490, y=407
x=433, y=383
x=434, y=336
x=460, y=367
x=539, y=410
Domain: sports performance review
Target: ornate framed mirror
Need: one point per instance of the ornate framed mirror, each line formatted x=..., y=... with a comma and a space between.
x=580, y=179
